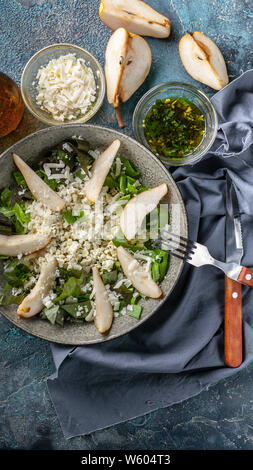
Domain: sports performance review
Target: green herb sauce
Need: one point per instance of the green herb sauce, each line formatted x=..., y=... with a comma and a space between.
x=174, y=127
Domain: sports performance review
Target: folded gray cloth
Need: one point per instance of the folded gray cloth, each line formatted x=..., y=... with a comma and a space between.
x=179, y=351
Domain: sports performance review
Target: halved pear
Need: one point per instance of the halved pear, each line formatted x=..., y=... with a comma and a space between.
x=14, y=245
x=135, y=272
x=104, y=311
x=33, y=302
x=41, y=191
x=99, y=171
x=128, y=60
x=203, y=60
x=136, y=16
x=138, y=207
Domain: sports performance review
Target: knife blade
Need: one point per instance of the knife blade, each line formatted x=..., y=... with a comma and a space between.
x=233, y=297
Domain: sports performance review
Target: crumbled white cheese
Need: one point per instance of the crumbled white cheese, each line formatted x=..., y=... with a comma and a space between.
x=82, y=244
x=66, y=87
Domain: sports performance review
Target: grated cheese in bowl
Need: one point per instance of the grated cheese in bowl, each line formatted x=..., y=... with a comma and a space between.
x=66, y=88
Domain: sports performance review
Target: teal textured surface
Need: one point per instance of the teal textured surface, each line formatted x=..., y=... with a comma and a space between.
x=220, y=418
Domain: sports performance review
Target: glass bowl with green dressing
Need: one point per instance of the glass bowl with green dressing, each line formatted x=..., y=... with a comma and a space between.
x=177, y=122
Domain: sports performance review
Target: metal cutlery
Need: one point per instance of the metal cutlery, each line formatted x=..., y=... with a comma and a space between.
x=235, y=274
x=233, y=289
x=198, y=255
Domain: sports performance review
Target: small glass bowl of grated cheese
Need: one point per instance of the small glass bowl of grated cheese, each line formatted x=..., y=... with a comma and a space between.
x=63, y=83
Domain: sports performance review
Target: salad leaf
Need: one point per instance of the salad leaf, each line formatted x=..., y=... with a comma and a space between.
x=71, y=219
x=51, y=182
x=5, y=230
x=19, y=218
x=123, y=184
x=81, y=144
x=54, y=315
x=84, y=161
x=51, y=313
x=7, y=212
x=110, y=277
x=126, y=293
x=22, y=219
x=155, y=271
x=79, y=174
x=16, y=273
x=78, y=310
x=66, y=273
x=129, y=168
x=61, y=317
x=117, y=265
x=120, y=240
x=67, y=153
x=11, y=299
x=20, y=180
x=160, y=264
x=6, y=197
x=111, y=182
x=71, y=288
x=135, y=311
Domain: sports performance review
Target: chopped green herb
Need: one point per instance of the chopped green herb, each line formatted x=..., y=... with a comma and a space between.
x=174, y=127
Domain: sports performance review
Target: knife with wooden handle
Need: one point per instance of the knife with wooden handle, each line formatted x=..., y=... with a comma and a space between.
x=233, y=290
x=233, y=323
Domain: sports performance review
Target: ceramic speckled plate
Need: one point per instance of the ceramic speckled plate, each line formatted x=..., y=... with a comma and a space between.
x=153, y=173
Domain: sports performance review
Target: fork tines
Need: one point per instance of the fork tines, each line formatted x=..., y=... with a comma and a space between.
x=176, y=245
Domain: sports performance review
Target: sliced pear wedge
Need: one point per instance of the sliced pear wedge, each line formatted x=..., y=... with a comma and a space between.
x=35, y=254
x=138, y=207
x=203, y=60
x=115, y=57
x=33, y=302
x=41, y=191
x=99, y=171
x=14, y=245
x=128, y=60
x=135, y=272
x=134, y=15
x=104, y=311
x=136, y=67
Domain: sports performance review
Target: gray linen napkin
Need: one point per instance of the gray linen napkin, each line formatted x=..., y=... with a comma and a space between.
x=179, y=352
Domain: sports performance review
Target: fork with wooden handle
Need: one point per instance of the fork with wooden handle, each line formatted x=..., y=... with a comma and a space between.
x=198, y=255
x=235, y=275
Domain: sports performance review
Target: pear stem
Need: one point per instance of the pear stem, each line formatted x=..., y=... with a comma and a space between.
x=119, y=118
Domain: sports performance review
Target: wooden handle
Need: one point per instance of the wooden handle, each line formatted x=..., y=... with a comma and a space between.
x=246, y=277
x=233, y=323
